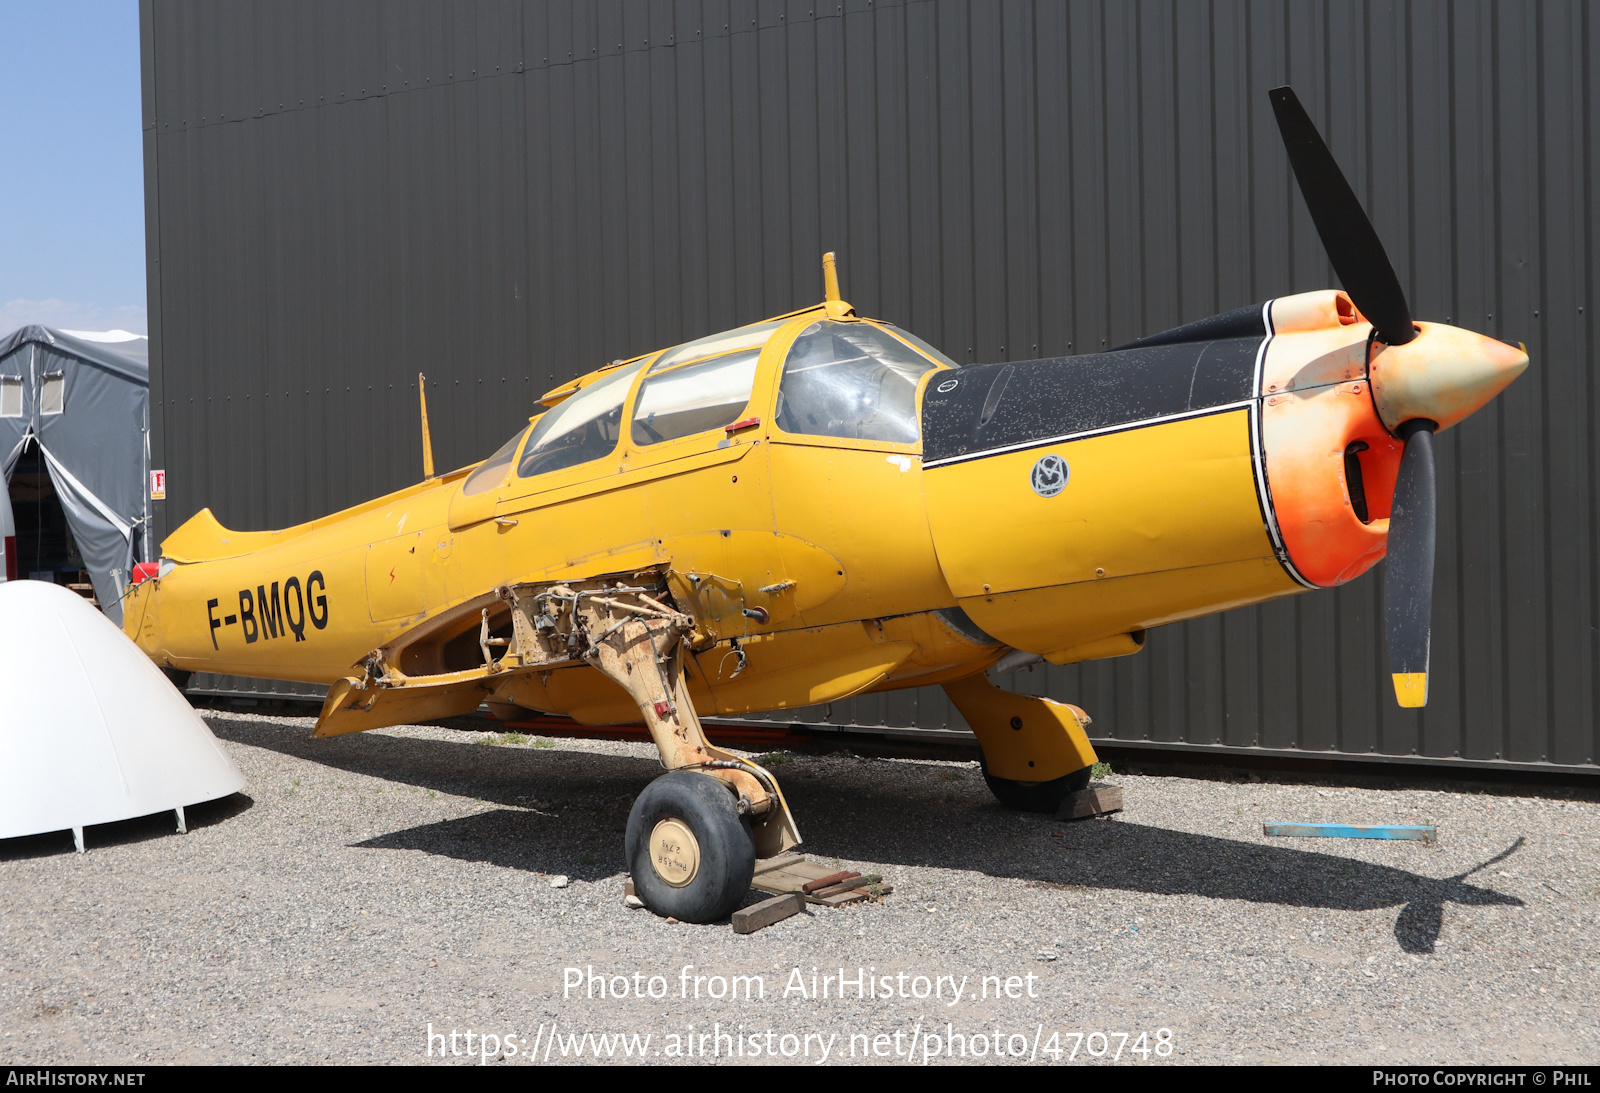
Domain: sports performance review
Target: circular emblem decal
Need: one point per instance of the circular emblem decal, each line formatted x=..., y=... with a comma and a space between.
x=946, y=386
x=1050, y=475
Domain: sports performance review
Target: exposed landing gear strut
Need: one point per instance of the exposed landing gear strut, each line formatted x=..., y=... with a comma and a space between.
x=1034, y=750
x=694, y=834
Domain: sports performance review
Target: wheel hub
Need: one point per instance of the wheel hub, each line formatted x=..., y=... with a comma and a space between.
x=674, y=852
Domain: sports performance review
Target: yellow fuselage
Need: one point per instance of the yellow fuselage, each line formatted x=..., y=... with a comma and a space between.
x=855, y=551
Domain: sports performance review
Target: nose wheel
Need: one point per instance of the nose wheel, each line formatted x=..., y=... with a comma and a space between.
x=1035, y=796
x=689, y=849
x=1034, y=751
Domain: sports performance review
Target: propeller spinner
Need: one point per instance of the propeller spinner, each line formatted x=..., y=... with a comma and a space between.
x=1424, y=377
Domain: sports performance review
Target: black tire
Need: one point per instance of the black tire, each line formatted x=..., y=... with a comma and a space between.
x=1035, y=796
x=726, y=853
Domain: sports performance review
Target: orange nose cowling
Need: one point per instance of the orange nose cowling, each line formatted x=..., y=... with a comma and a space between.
x=1306, y=434
x=1314, y=430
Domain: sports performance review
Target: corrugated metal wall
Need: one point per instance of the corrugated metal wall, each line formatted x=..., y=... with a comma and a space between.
x=501, y=195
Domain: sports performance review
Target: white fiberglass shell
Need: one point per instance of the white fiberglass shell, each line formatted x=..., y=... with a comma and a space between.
x=90, y=730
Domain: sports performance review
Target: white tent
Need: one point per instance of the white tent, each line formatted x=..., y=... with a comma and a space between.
x=84, y=399
x=125, y=342
x=90, y=730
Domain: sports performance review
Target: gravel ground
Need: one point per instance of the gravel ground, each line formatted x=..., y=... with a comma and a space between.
x=369, y=887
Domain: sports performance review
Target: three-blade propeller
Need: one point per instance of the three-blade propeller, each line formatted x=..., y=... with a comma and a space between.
x=1364, y=269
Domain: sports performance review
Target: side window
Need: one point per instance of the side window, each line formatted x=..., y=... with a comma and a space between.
x=584, y=427
x=694, y=397
x=851, y=380
x=53, y=393
x=492, y=471
x=10, y=396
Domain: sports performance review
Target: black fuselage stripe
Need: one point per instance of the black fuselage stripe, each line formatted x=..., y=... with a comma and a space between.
x=1105, y=430
x=1042, y=401
x=1137, y=387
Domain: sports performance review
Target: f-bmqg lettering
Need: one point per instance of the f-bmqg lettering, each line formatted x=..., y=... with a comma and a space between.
x=277, y=610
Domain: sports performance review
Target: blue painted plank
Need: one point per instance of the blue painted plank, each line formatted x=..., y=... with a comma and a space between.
x=1419, y=832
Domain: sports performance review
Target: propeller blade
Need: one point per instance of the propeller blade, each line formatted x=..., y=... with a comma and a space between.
x=1347, y=235
x=1408, y=570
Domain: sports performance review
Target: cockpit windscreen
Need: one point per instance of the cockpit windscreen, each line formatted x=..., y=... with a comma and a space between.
x=851, y=380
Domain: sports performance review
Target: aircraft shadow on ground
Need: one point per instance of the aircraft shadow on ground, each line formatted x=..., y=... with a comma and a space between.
x=569, y=811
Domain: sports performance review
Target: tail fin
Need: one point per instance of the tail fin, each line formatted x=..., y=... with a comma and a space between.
x=203, y=539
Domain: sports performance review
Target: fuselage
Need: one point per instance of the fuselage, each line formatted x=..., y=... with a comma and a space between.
x=838, y=536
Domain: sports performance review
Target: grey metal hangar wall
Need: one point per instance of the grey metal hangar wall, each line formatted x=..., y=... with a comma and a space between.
x=502, y=195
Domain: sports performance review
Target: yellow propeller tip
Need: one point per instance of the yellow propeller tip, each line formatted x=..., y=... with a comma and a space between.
x=1411, y=689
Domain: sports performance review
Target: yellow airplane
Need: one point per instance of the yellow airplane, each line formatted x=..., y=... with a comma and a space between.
x=821, y=505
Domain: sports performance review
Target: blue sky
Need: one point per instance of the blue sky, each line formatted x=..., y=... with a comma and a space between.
x=72, y=188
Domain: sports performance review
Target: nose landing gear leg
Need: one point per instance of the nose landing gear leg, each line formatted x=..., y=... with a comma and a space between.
x=1034, y=750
